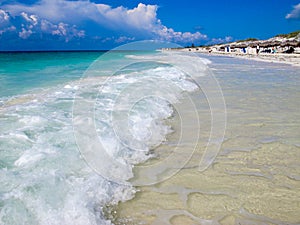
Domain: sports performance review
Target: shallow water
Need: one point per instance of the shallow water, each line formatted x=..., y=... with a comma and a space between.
x=143, y=110
x=255, y=178
x=72, y=130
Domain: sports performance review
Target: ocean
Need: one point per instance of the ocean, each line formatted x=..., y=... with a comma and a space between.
x=147, y=137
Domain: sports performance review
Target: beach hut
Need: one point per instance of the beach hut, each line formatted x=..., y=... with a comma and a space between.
x=252, y=48
x=227, y=48
x=242, y=47
x=269, y=46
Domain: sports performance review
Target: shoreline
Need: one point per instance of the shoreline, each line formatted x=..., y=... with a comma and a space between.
x=290, y=59
x=224, y=192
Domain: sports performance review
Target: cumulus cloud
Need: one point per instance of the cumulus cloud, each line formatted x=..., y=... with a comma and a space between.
x=140, y=22
x=3, y=15
x=65, y=30
x=142, y=17
x=295, y=13
x=30, y=18
x=215, y=41
x=25, y=25
x=24, y=34
x=169, y=34
x=123, y=39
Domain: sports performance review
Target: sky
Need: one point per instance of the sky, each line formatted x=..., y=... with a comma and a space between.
x=105, y=24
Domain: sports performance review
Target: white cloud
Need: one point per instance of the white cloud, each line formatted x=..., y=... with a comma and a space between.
x=123, y=39
x=64, y=30
x=142, y=17
x=47, y=26
x=26, y=24
x=169, y=34
x=220, y=40
x=24, y=34
x=61, y=30
x=3, y=15
x=30, y=18
x=11, y=28
x=295, y=13
x=141, y=21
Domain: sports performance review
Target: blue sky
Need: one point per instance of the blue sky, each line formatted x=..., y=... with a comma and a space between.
x=104, y=24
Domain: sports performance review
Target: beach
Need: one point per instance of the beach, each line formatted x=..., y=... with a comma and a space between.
x=56, y=106
x=291, y=59
x=149, y=112
x=122, y=137
x=255, y=177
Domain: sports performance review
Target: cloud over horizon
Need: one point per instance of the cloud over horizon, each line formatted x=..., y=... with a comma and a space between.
x=85, y=20
x=215, y=41
x=295, y=13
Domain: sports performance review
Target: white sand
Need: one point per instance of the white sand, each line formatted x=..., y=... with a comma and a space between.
x=292, y=59
x=255, y=178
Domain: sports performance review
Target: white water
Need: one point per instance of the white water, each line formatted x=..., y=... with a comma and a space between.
x=44, y=179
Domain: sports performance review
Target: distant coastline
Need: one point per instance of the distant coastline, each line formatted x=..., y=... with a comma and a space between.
x=283, y=48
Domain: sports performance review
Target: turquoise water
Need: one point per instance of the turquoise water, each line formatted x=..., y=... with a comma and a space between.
x=75, y=125
x=255, y=179
x=22, y=72
x=46, y=173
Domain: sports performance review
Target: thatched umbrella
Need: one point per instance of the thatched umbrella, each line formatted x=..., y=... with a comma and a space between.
x=267, y=44
x=254, y=44
x=273, y=43
x=293, y=43
x=243, y=45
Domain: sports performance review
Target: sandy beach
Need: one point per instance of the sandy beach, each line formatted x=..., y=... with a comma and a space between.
x=255, y=177
x=149, y=112
x=292, y=59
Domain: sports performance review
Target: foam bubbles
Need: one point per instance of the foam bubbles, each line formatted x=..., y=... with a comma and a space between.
x=44, y=179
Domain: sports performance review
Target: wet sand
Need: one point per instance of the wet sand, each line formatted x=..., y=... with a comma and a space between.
x=255, y=178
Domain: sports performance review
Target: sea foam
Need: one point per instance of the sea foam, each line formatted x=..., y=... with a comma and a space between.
x=43, y=176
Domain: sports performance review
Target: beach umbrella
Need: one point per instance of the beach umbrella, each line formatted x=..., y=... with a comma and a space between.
x=274, y=43
x=267, y=44
x=254, y=44
x=243, y=45
x=293, y=43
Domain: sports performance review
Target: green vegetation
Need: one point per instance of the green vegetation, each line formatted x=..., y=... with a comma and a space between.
x=248, y=39
x=289, y=35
